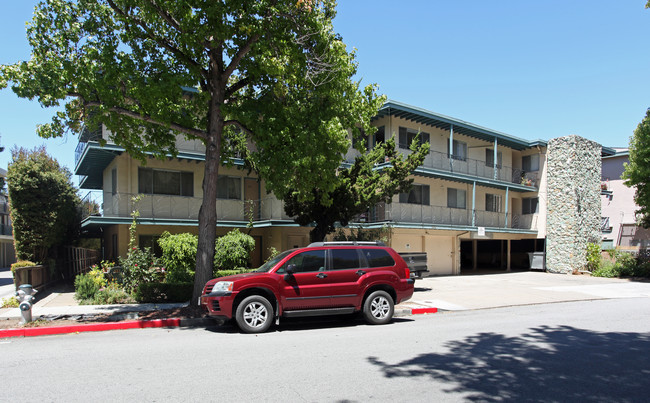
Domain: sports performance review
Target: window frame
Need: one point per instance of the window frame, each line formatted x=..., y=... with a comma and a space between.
x=425, y=195
x=457, y=192
x=526, y=204
x=530, y=158
x=457, y=146
x=489, y=158
x=240, y=193
x=499, y=204
x=406, y=136
x=185, y=182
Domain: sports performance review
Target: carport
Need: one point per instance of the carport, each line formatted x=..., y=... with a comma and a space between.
x=498, y=254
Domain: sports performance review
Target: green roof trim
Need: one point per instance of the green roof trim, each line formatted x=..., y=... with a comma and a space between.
x=423, y=116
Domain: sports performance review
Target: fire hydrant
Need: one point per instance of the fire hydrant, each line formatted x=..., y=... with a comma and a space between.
x=25, y=296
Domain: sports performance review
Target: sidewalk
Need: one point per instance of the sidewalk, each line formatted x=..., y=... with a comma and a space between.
x=453, y=293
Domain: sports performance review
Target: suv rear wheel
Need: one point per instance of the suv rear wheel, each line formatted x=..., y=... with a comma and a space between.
x=254, y=314
x=378, y=308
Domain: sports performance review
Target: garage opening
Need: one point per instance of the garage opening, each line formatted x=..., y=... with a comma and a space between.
x=492, y=255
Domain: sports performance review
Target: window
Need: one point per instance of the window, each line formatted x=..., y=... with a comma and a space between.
x=158, y=181
x=456, y=198
x=530, y=163
x=343, y=259
x=489, y=158
x=380, y=135
x=406, y=137
x=493, y=203
x=459, y=150
x=308, y=261
x=229, y=187
x=378, y=258
x=151, y=242
x=419, y=194
x=114, y=181
x=529, y=205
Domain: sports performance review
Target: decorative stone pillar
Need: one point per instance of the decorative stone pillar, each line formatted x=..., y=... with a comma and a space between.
x=573, y=205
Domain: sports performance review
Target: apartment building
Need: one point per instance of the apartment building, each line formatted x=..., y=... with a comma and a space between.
x=618, y=225
x=479, y=200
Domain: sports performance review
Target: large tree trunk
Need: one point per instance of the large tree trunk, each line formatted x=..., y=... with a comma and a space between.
x=208, y=211
x=319, y=232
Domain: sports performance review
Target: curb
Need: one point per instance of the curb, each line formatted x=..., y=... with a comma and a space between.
x=100, y=327
x=144, y=324
x=414, y=311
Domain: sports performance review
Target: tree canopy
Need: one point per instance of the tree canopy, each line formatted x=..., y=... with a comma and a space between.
x=637, y=171
x=374, y=177
x=44, y=203
x=231, y=73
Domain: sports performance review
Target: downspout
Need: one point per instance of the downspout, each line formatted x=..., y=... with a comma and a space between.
x=495, y=158
x=474, y=204
x=457, y=268
x=451, y=148
x=507, y=205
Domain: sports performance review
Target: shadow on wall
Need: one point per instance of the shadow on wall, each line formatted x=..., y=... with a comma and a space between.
x=546, y=364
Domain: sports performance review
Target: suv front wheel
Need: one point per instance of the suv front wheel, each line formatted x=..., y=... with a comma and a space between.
x=254, y=314
x=378, y=308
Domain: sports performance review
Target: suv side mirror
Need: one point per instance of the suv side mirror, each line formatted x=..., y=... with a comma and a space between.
x=290, y=269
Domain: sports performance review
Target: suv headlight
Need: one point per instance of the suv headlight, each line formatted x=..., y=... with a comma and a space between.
x=223, y=286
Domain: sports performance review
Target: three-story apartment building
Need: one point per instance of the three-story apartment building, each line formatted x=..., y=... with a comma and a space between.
x=478, y=200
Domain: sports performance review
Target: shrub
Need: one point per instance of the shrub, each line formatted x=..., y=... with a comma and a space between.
x=138, y=268
x=621, y=264
x=9, y=302
x=224, y=273
x=111, y=294
x=163, y=292
x=21, y=263
x=87, y=285
x=233, y=250
x=178, y=256
x=594, y=258
x=608, y=270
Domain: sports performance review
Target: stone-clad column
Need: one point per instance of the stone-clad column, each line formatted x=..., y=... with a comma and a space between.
x=573, y=206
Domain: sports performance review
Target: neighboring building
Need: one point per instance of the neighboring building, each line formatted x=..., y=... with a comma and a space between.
x=7, y=251
x=618, y=225
x=479, y=200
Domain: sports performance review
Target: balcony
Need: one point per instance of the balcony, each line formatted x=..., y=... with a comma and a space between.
x=120, y=205
x=404, y=213
x=6, y=230
x=442, y=161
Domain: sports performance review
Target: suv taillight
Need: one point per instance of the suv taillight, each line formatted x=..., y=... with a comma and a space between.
x=407, y=272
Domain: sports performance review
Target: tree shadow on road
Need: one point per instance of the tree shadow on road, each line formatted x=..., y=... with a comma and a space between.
x=546, y=364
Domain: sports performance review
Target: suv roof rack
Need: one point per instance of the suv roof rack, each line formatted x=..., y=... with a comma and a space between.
x=347, y=243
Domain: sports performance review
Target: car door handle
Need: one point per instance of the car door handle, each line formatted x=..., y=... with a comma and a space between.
x=360, y=272
x=321, y=275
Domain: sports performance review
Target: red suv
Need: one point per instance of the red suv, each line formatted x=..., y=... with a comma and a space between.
x=325, y=278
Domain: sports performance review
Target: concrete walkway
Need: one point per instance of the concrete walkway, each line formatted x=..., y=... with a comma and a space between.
x=452, y=293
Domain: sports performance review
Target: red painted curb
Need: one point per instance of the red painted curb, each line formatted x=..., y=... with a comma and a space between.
x=418, y=311
x=91, y=327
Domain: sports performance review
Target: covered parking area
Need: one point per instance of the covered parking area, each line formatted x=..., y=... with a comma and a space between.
x=498, y=254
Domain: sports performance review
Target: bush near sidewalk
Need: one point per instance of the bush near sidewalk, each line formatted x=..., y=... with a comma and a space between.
x=617, y=263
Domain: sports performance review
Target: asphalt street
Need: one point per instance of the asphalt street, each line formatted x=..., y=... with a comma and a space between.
x=574, y=351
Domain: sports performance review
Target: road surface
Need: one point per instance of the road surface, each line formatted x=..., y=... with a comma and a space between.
x=577, y=351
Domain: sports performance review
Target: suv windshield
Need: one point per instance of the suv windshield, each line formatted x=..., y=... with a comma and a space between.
x=271, y=263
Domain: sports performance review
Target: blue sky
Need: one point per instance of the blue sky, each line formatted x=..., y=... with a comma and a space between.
x=535, y=70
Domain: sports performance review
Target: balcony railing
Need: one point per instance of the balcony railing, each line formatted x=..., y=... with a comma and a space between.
x=6, y=230
x=467, y=166
x=439, y=215
x=180, y=207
